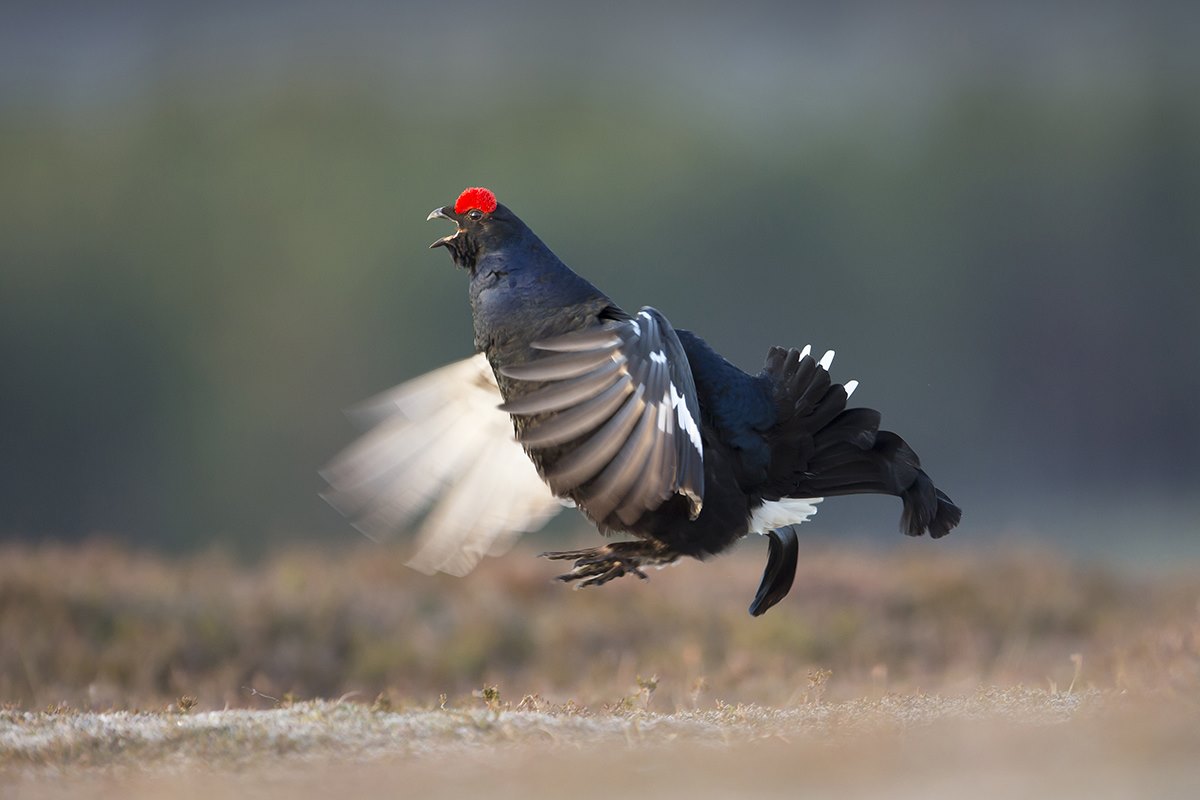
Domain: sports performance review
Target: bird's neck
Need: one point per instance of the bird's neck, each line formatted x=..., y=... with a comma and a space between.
x=525, y=293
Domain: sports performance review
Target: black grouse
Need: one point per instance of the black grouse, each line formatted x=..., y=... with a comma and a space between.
x=643, y=427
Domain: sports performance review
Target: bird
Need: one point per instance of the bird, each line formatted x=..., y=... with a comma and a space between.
x=571, y=400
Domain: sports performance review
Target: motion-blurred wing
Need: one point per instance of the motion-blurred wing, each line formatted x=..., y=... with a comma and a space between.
x=621, y=399
x=438, y=446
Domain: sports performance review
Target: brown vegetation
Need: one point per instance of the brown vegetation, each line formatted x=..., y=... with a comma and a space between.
x=99, y=627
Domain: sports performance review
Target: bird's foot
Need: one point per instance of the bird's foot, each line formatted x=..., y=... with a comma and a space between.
x=599, y=565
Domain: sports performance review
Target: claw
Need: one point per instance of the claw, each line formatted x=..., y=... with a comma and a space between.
x=598, y=565
x=565, y=555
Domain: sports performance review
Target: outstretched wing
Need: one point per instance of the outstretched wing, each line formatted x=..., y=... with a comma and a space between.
x=619, y=400
x=438, y=446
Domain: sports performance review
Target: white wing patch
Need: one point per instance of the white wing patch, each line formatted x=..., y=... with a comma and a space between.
x=664, y=413
x=685, y=418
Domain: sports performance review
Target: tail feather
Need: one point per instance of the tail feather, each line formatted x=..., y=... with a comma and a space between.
x=938, y=514
x=887, y=466
x=823, y=449
x=780, y=573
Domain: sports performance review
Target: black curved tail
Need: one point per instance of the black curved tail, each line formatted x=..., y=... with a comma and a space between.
x=820, y=448
x=780, y=573
x=878, y=462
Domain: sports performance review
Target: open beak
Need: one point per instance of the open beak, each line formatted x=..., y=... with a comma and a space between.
x=443, y=213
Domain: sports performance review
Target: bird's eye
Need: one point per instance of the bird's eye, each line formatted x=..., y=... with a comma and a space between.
x=475, y=214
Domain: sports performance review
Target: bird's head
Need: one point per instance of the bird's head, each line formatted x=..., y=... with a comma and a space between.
x=482, y=225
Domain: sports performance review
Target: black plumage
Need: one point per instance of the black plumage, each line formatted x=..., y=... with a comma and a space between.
x=644, y=428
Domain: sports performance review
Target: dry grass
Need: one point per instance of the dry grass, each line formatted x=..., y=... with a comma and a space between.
x=865, y=682
x=99, y=627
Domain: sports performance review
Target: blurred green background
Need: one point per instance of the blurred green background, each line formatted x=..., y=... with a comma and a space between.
x=212, y=238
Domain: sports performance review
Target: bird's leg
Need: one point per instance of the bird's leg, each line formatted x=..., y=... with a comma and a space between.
x=599, y=565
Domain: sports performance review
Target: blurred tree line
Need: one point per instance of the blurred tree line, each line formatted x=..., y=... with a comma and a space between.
x=199, y=270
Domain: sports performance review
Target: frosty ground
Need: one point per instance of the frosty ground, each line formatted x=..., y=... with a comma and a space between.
x=993, y=743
